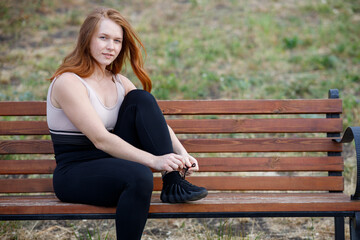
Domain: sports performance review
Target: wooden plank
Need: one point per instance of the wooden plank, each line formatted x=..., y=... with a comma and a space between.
x=202, y=145
x=205, y=126
x=24, y=128
x=289, y=125
x=23, y=108
x=190, y=107
x=223, y=183
x=270, y=164
x=26, y=147
x=27, y=185
x=211, y=164
x=261, y=145
x=296, y=106
x=262, y=202
x=267, y=183
x=214, y=202
x=27, y=166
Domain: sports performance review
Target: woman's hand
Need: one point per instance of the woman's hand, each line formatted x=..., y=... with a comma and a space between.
x=189, y=162
x=168, y=162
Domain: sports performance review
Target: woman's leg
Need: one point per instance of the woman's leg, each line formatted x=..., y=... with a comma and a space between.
x=142, y=124
x=109, y=182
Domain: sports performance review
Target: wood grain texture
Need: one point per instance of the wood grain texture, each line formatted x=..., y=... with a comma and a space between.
x=223, y=183
x=27, y=166
x=24, y=128
x=191, y=107
x=270, y=164
x=182, y=126
x=267, y=183
x=202, y=145
x=218, y=107
x=23, y=108
x=26, y=147
x=211, y=164
x=27, y=185
x=289, y=125
x=214, y=202
x=261, y=145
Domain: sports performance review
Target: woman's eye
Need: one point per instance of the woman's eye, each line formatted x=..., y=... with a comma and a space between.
x=102, y=37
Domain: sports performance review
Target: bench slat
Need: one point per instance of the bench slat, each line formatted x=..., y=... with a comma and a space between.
x=27, y=166
x=214, y=202
x=202, y=145
x=220, y=164
x=22, y=108
x=290, y=125
x=26, y=147
x=35, y=185
x=190, y=107
x=224, y=183
x=261, y=145
x=205, y=126
x=269, y=164
x=258, y=202
x=267, y=183
x=24, y=128
x=296, y=106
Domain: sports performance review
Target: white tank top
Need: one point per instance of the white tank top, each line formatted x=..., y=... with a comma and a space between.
x=59, y=123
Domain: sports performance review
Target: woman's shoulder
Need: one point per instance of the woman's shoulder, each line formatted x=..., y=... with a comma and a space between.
x=127, y=84
x=120, y=78
x=66, y=76
x=68, y=80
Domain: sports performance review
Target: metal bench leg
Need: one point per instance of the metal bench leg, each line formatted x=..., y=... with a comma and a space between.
x=339, y=228
x=355, y=227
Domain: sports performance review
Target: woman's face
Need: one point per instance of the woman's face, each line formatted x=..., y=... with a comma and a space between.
x=106, y=42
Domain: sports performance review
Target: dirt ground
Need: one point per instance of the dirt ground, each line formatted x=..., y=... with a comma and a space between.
x=180, y=229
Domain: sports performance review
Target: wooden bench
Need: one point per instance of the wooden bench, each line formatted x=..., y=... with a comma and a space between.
x=258, y=158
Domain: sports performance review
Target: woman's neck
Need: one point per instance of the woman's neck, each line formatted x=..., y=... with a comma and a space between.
x=100, y=74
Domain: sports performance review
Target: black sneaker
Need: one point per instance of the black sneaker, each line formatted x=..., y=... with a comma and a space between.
x=177, y=190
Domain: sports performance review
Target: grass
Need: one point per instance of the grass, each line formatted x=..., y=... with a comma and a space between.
x=199, y=49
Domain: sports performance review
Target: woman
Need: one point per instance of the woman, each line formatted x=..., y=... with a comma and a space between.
x=107, y=134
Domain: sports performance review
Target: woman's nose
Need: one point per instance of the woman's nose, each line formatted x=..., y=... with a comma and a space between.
x=110, y=44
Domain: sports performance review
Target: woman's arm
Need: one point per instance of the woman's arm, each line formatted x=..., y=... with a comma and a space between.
x=71, y=96
x=179, y=149
x=177, y=146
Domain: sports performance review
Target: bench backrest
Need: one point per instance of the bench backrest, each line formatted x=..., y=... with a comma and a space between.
x=241, y=145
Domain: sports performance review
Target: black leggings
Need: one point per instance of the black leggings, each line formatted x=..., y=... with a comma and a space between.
x=109, y=181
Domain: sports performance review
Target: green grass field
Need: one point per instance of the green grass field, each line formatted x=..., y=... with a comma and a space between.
x=197, y=49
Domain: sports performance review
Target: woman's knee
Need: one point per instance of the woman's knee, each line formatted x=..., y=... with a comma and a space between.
x=145, y=179
x=139, y=96
x=141, y=179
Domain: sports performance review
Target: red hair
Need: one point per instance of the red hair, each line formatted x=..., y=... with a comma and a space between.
x=80, y=61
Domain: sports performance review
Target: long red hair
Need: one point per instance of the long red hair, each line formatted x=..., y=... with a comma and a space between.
x=80, y=61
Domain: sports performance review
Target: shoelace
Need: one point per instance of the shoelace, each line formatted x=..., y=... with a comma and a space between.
x=187, y=168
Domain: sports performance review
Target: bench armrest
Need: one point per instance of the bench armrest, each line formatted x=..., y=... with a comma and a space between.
x=350, y=134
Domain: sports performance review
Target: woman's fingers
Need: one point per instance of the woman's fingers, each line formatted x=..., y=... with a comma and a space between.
x=187, y=161
x=178, y=160
x=175, y=162
x=194, y=163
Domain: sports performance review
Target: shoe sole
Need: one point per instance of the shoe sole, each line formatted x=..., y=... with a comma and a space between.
x=198, y=197
x=171, y=199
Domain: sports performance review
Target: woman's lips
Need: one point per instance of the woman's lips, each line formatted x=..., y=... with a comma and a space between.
x=108, y=55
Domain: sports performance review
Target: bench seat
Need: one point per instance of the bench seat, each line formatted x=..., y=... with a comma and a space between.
x=242, y=203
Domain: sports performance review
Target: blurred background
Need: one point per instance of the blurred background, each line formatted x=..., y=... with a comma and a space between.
x=196, y=49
